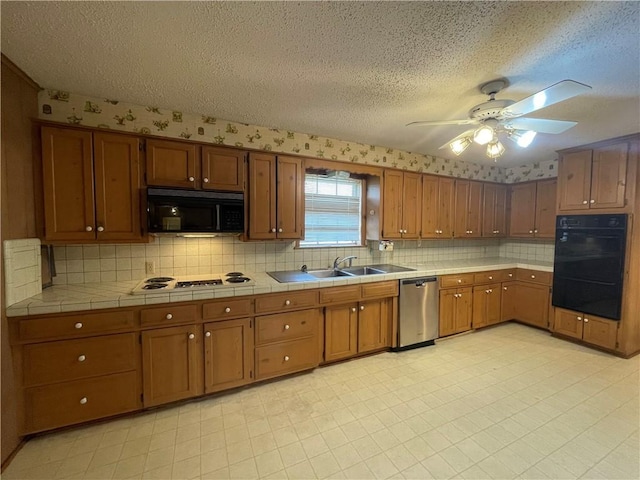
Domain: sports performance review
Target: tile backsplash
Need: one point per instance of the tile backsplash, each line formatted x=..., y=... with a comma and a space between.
x=541, y=250
x=179, y=256
x=22, y=272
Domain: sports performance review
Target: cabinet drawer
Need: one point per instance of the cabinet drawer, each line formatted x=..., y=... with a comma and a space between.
x=286, y=301
x=534, y=276
x=381, y=289
x=169, y=315
x=286, y=357
x=286, y=326
x=74, y=359
x=344, y=294
x=67, y=403
x=463, y=279
x=487, y=277
x=75, y=325
x=227, y=308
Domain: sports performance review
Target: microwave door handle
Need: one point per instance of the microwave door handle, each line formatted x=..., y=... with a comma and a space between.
x=217, y=217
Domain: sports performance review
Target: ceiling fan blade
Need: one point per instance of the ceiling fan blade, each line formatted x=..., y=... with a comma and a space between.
x=466, y=121
x=540, y=125
x=555, y=93
x=462, y=135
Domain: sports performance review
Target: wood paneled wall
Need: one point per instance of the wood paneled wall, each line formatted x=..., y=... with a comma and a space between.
x=20, y=217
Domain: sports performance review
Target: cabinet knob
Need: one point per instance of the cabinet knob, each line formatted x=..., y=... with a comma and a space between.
x=83, y=400
x=287, y=327
x=579, y=318
x=361, y=307
x=459, y=295
x=88, y=228
x=191, y=336
x=227, y=310
x=487, y=291
x=205, y=180
x=279, y=230
x=510, y=275
x=586, y=320
x=353, y=309
x=82, y=358
x=535, y=230
x=584, y=202
x=491, y=290
x=504, y=288
x=533, y=276
x=470, y=231
x=456, y=295
x=100, y=229
x=592, y=201
x=490, y=277
x=78, y=325
x=191, y=179
x=459, y=281
x=207, y=334
x=168, y=316
x=287, y=302
x=530, y=231
x=273, y=230
x=286, y=358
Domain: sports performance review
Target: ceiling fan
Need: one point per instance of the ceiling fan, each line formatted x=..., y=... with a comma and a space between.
x=504, y=116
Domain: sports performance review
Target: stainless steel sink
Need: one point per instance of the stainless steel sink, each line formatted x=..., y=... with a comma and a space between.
x=363, y=271
x=329, y=273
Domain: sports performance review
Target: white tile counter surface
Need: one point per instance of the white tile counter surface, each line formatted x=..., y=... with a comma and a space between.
x=94, y=296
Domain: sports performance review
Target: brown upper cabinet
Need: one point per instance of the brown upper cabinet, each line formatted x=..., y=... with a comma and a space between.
x=533, y=209
x=185, y=165
x=494, y=210
x=276, y=197
x=468, y=210
x=594, y=179
x=438, y=201
x=92, y=185
x=401, y=198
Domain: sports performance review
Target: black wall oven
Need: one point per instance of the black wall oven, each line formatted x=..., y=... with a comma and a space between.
x=588, y=269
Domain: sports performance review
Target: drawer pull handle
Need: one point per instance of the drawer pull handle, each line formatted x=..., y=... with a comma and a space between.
x=82, y=358
x=168, y=316
x=510, y=275
x=361, y=307
x=83, y=400
x=533, y=276
x=191, y=336
x=490, y=277
x=205, y=180
x=207, y=334
x=227, y=310
x=287, y=302
x=287, y=327
x=78, y=325
x=286, y=358
x=459, y=281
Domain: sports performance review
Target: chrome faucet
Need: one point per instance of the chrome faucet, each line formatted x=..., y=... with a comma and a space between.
x=339, y=260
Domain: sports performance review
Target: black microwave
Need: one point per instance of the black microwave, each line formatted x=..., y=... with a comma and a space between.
x=194, y=211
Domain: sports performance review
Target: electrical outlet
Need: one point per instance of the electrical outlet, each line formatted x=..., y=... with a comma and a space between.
x=150, y=267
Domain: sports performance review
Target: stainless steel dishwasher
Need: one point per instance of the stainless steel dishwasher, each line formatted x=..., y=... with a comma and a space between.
x=418, y=315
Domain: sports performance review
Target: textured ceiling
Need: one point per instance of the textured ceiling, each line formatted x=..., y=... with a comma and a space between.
x=355, y=71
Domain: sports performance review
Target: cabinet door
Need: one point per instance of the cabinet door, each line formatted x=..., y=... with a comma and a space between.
x=480, y=302
x=460, y=229
x=608, y=176
x=545, y=226
x=171, y=364
x=67, y=168
x=532, y=304
x=262, y=196
x=228, y=354
x=494, y=304
x=508, y=302
x=574, y=181
x=411, y=205
x=568, y=323
x=446, y=206
x=600, y=331
x=523, y=210
x=223, y=169
x=341, y=332
x=373, y=325
x=464, y=309
x=118, y=182
x=474, y=209
x=447, y=312
x=494, y=210
x=430, y=208
x=172, y=164
x=392, y=204
x=290, y=198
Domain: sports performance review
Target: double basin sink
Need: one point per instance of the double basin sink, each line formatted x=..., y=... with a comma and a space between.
x=289, y=276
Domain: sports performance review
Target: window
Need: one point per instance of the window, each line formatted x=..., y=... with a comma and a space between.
x=333, y=210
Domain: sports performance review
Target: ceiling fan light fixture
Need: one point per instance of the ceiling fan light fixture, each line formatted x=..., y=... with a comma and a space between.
x=495, y=149
x=522, y=137
x=460, y=145
x=483, y=135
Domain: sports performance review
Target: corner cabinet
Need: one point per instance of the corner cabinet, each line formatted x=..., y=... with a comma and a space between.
x=597, y=177
x=533, y=209
x=276, y=197
x=92, y=185
x=401, y=199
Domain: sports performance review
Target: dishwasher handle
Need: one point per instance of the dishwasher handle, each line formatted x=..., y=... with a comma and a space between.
x=418, y=282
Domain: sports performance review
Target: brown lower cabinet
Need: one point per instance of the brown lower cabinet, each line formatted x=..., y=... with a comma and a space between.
x=228, y=354
x=456, y=310
x=487, y=305
x=588, y=328
x=531, y=303
x=171, y=364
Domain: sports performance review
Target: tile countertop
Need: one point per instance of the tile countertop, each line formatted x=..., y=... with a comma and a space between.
x=94, y=296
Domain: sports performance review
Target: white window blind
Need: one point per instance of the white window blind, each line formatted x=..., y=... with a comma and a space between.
x=332, y=211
